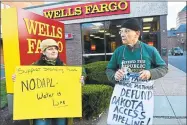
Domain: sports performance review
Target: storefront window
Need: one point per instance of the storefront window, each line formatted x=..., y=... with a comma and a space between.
x=100, y=39
x=93, y=37
x=150, y=30
x=93, y=42
x=112, y=36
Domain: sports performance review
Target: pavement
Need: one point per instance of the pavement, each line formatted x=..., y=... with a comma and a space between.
x=169, y=100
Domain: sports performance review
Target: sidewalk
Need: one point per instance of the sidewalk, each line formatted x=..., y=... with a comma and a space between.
x=169, y=100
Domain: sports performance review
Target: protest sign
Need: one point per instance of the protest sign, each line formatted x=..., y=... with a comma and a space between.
x=131, y=103
x=23, y=32
x=47, y=92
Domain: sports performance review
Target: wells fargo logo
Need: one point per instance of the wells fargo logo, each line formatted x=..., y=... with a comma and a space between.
x=41, y=29
x=88, y=10
x=23, y=32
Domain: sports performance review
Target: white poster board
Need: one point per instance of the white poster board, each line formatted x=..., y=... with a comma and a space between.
x=131, y=103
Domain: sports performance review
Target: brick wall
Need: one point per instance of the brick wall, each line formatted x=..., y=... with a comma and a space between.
x=73, y=46
x=176, y=41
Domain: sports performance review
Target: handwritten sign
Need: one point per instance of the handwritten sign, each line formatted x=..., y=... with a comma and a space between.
x=131, y=103
x=47, y=92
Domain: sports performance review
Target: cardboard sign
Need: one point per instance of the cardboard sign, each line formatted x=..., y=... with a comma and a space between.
x=131, y=103
x=47, y=92
x=23, y=32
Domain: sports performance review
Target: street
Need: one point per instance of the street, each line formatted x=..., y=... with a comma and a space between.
x=178, y=61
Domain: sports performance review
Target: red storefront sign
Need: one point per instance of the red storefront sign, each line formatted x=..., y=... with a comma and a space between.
x=32, y=29
x=96, y=9
x=23, y=32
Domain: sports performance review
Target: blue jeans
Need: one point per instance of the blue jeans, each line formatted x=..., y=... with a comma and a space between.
x=58, y=121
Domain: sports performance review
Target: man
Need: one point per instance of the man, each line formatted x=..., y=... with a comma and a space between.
x=135, y=56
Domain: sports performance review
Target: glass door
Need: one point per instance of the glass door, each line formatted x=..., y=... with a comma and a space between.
x=93, y=42
x=150, y=31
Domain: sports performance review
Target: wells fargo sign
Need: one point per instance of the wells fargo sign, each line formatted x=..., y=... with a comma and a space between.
x=23, y=32
x=105, y=8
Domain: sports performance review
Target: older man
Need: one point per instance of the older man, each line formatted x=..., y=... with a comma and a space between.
x=135, y=56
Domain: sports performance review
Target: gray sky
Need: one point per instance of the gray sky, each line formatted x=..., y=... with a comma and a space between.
x=173, y=9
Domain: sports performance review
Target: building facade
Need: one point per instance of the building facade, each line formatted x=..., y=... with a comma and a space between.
x=177, y=36
x=95, y=26
x=181, y=17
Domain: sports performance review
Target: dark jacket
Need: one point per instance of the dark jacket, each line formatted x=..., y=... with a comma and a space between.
x=43, y=62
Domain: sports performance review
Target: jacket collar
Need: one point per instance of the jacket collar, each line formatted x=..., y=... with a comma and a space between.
x=137, y=45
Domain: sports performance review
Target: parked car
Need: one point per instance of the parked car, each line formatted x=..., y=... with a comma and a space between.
x=176, y=51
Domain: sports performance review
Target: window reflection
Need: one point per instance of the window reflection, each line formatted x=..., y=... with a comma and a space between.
x=113, y=39
x=150, y=30
x=100, y=39
x=93, y=37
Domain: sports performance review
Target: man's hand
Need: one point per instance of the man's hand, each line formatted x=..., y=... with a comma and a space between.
x=145, y=75
x=119, y=75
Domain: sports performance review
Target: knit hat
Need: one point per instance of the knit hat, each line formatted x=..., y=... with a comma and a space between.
x=47, y=43
x=132, y=24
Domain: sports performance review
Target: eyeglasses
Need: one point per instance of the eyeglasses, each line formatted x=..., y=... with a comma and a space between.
x=124, y=31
